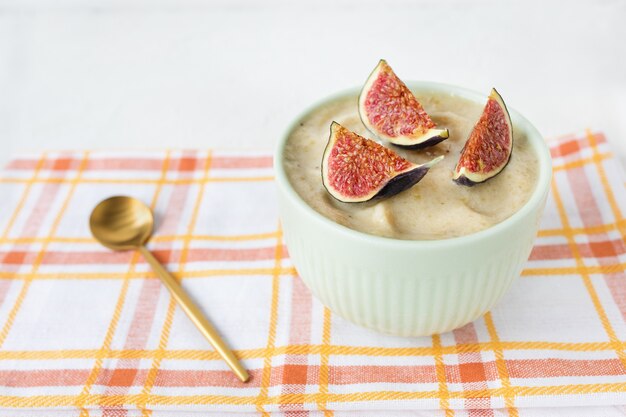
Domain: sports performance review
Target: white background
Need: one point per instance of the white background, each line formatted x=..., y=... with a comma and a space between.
x=190, y=73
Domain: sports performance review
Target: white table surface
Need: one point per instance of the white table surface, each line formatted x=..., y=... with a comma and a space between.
x=154, y=74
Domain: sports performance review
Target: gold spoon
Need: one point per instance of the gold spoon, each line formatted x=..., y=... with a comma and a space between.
x=125, y=223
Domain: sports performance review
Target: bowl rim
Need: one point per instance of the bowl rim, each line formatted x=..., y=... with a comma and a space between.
x=536, y=199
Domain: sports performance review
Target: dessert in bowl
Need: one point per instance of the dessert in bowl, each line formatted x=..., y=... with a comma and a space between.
x=430, y=258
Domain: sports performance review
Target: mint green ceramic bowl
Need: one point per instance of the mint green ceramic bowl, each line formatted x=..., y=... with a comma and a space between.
x=403, y=287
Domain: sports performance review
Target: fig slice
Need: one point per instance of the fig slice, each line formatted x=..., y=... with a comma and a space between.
x=356, y=169
x=390, y=111
x=488, y=149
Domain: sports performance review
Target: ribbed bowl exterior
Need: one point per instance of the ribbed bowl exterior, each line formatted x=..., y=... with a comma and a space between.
x=405, y=292
x=411, y=288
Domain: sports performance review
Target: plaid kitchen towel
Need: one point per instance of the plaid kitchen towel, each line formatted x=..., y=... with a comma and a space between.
x=85, y=331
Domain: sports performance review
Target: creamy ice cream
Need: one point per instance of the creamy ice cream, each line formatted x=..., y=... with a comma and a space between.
x=435, y=208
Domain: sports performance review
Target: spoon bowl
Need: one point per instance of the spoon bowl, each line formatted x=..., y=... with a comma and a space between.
x=121, y=223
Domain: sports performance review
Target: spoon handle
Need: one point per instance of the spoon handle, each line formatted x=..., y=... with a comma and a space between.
x=195, y=315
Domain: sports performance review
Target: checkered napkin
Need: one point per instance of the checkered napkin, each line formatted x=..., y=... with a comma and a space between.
x=85, y=331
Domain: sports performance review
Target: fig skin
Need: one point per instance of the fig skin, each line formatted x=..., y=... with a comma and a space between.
x=430, y=135
x=463, y=180
x=403, y=181
x=462, y=175
x=398, y=180
x=432, y=141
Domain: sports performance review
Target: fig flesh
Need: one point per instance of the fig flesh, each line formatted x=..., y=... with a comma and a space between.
x=390, y=111
x=488, y=149
x=356, y=169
